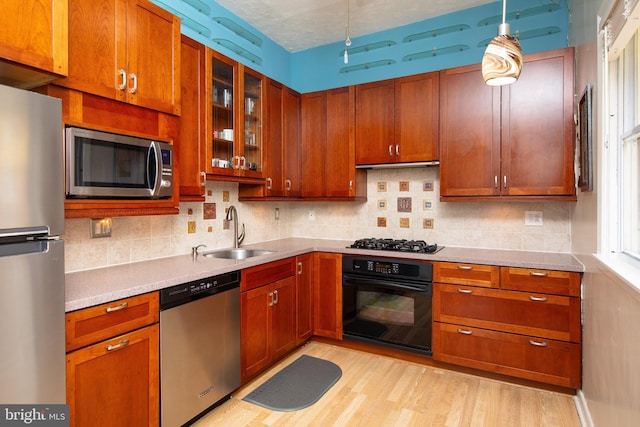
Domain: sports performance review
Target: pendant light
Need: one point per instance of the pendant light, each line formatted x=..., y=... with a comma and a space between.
x=347, y=42
x=502, y=61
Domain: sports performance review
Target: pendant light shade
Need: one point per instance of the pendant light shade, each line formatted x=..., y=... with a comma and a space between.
x=502, y=61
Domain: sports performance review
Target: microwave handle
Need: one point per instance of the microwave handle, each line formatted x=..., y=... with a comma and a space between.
x=154, y=166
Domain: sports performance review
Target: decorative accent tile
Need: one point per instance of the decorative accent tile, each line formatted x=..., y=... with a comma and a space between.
x=209, y=229
x=404, y=222
x=382, y=205
x=404, y=185
x=208, y=211
x=382, y=221
x=225, y=196
x=427, y=204
x=427, y=223
x=382, y=187
x=404, y=204
x=428, y=186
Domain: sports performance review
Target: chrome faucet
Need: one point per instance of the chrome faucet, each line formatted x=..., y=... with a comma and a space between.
x=232, y=213
x=194, y=250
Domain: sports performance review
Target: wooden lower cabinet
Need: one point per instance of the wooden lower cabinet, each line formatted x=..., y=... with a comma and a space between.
x=547, y=361
x=116, y=382
x=327, y=295
x=526, y=323
x=304, y=297
x=267, y=316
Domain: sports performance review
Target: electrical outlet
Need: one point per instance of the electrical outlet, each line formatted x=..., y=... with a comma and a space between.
x=277, y=214
x=533, y=218
x=312, y=216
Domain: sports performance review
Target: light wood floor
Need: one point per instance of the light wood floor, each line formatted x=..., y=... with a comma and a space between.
x=381, y=391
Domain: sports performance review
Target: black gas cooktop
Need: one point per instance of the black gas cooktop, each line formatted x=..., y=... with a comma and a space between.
x=414, y=246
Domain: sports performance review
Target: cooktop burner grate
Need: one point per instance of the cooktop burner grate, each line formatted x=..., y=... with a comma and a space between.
x=415, y=246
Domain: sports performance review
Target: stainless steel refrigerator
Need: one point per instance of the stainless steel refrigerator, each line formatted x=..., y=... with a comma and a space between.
x=32, y=349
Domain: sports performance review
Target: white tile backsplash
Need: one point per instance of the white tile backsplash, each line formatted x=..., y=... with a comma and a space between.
x=496, y=225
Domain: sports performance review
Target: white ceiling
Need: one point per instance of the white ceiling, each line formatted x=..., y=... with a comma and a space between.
x=302, y=24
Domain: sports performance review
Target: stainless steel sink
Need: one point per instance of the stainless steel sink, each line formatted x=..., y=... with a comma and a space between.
x=236, y=253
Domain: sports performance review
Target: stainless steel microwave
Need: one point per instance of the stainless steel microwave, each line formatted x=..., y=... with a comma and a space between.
x=107, y=165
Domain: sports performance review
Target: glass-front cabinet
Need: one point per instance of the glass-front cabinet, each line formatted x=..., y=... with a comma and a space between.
x=235, y=125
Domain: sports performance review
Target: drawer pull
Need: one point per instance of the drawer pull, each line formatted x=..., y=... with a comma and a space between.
x=465, y=267
x=537, y=274
x=117, y=346
x=465, y=331
x=538, y=343
x=538, y=299
x=465, y=291
x=117, y=307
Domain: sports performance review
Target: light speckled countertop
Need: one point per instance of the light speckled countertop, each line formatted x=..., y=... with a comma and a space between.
x=99, y=286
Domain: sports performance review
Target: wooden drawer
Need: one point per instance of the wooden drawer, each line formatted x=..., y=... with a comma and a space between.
x=547, y=316
x=542, y=281
x=467, y=274
x=548, y=361
x=261, y=275
x=94, y=324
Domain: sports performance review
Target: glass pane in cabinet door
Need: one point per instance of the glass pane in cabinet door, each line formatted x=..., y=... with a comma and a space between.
x=222, y=115
x=252, y=122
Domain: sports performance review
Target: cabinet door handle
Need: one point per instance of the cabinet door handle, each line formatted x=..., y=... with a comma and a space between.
x=538, y=299
x=300, y=268
x=397, y=149
x=117, y=346
x=204, y=178
x=275, y=294
x=243, y=162
x=236, y=162
x=269, y=183
x=504, y=180
x=495, y=181
x=465, y=331
x=287, y=184
x=538, y=343
x=465, y=267
x=390, y=150
x=465, y=291
x=271, y=302
x=133, y=77
x=538, y=274
x=123, y=79
x=117, y=307
x=351, y=185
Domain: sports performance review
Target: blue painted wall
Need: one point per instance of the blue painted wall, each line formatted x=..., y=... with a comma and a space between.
x=541, y=25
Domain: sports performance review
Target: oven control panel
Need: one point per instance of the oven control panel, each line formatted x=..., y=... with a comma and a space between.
x=387, y=267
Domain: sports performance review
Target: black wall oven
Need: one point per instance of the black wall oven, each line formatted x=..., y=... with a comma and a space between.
x=387, y=301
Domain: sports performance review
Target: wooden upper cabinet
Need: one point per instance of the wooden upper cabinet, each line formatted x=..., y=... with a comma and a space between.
x=538, y=130
x=33, y=33
x=274, y=143
x=191, y=146
x=128, y=50
x=417, y=115
x=397, y=120
x=375, y=116
x=469, y=133
x=514, y=141
x=328, y=146
x=291, y=140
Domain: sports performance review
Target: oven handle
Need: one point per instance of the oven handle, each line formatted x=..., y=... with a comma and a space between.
x=388, y=284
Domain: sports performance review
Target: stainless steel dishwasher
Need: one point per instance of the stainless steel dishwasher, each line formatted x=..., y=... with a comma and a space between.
x=199, y=346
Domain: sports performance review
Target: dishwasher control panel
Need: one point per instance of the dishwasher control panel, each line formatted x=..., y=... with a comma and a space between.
x=181, y=294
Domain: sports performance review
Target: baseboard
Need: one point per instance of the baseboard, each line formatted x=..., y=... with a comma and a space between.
x=583, y=409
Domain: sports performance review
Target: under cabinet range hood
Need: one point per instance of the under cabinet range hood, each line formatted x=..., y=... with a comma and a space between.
x=399, y=165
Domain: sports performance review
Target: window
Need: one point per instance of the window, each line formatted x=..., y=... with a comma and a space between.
x=621, y=164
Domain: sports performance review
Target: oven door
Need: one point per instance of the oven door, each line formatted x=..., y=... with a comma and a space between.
x=388, y=312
